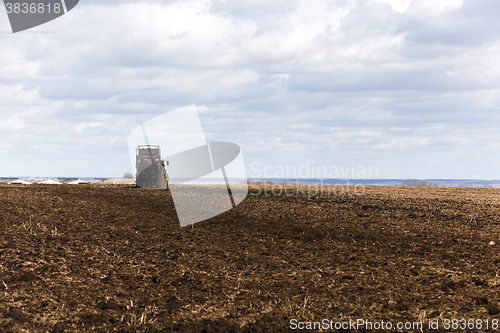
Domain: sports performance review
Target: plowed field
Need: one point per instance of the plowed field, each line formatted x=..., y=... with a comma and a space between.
x=93, y=258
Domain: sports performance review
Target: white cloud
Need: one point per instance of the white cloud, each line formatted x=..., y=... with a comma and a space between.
x=11, y=124
x=398, y=5
x=254, y=8
x=431, y=7
x=81, y=127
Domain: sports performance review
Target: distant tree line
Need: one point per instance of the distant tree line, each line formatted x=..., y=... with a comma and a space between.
x=260, y=182
x=128, y=175
x=423, y=183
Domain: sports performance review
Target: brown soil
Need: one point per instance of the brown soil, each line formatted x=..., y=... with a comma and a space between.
x=95, y=258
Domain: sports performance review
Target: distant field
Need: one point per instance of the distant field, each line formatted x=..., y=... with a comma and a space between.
x=113, y=258
x=118, y=181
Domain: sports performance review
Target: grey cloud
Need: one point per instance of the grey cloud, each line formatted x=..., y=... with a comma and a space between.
x=474, y=24
x=253, y=8
x=432, y=79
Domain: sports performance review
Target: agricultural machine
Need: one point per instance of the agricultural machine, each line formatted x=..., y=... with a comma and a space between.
x=150, y=168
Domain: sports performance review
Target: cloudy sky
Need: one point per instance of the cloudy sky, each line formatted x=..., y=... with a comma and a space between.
x=410, y=88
